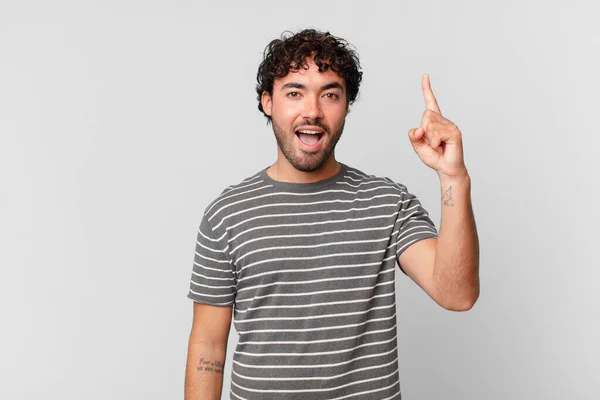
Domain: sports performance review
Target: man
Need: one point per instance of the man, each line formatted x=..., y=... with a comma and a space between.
x=306, y=248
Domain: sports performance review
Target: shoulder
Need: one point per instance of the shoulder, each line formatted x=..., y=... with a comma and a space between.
x=358, y=177
x=234, y=194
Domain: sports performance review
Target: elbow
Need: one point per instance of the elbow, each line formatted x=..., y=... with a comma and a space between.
x=462, y=306
x=461, y=303
x=457, y=295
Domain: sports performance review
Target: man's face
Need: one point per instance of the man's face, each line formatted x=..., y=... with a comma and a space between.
x=308, y=110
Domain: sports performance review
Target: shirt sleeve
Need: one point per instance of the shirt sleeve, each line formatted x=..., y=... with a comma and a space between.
x=213, y=278
x=413, y=223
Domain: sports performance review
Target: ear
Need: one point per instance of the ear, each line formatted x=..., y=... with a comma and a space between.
x=267, y=102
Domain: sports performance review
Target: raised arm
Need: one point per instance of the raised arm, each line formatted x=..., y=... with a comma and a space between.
x=446, y=268
x=207, y=349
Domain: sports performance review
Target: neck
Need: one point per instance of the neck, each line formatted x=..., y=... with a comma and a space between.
x=283, y=171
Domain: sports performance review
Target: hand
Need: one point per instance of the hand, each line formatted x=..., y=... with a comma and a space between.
x=438, y=142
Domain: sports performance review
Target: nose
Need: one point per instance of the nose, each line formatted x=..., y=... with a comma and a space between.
x=312, y=108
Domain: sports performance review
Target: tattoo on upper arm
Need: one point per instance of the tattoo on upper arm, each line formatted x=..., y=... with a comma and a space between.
x=447, y=197
x=210, y=366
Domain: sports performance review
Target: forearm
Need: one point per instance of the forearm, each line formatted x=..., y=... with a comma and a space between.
x=204, y=371
x=456, y=268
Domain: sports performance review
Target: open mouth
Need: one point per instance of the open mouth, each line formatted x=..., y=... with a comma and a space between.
x=309, y=137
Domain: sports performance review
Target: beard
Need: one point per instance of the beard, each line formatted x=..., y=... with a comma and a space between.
x=302, y=160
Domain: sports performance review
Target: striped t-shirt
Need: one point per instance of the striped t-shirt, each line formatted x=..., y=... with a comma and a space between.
x=309, y=269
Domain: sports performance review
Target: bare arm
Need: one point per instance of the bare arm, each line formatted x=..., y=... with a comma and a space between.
x=448, y=268
x=206, y=352
x=456, y=268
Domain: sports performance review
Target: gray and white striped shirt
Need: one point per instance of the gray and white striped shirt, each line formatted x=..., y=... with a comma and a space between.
x=310, y=270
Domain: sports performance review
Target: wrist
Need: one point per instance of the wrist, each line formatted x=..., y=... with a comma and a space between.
x=461, y=178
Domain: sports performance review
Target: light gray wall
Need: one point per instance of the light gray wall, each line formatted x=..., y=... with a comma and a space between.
x=121, y=120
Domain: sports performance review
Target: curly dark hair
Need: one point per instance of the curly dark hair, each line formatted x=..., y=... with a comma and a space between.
x=289, y=52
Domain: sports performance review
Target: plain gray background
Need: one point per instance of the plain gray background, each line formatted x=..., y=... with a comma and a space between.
x=121, y=120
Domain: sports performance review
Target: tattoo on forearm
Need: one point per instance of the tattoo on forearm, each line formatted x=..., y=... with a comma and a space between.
x=210, y=366
x=447, y=197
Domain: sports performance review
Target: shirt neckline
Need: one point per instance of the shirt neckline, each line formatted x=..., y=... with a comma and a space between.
x=303, y=187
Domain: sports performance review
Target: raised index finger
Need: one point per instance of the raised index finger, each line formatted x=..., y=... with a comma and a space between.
x=430, y=101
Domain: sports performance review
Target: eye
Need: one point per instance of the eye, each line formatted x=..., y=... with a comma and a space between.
x=293, y=94
x=332, y=96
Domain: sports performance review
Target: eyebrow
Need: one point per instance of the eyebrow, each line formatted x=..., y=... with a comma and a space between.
x=296, y=85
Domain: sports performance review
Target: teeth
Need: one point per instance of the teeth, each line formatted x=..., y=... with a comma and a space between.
x=310, y=132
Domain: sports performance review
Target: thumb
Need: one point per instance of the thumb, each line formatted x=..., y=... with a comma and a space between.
x=415, y=136
x=421, y=146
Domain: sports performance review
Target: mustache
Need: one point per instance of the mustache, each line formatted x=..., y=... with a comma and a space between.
x=315, y=122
